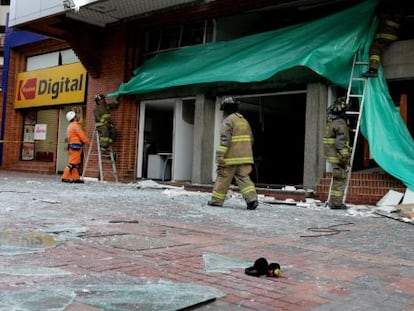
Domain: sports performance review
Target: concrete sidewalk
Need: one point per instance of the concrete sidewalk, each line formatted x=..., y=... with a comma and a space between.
x=107, y=246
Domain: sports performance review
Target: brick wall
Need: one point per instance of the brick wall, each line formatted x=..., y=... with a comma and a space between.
x=14, y=118
x=116, y=64
x=117, y=60
x=364, y=188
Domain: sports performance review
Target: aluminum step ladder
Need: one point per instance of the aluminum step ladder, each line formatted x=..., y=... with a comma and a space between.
x=356, y=90
x=104, y=156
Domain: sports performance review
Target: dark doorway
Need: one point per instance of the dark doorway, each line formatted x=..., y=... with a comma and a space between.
x=278, y=125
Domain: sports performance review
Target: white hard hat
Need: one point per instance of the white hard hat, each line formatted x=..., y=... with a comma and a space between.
x=70, y=115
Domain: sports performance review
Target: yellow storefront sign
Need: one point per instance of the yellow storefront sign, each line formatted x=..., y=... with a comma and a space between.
x=53, y=86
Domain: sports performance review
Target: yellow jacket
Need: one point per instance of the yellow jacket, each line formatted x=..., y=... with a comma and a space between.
x=236, y=140
x=336, y=142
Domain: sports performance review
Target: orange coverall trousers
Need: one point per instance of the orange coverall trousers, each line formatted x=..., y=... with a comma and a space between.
x=71, y=171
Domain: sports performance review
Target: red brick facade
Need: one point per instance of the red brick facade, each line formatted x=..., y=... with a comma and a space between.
x=364, y=188
x=14, y=118
x=109, y=63
x=116, y=67
x=114, y=70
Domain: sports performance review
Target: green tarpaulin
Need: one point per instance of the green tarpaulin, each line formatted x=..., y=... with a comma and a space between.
x=327, y=46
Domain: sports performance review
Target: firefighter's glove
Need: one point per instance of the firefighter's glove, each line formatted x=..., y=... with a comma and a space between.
x=220, y=171
x=343, y=159
x=220, y=160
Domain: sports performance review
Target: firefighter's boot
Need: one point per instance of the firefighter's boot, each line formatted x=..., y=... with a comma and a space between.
x=371, y=73
x=252, y=205
x=215, y=203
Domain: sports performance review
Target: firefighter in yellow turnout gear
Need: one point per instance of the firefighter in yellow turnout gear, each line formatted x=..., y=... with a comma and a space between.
x=390, y=17
x=234, y=156
x=103, y=122
x=337, y=151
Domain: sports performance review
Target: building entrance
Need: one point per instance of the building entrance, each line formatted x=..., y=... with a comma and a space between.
x=278, y=125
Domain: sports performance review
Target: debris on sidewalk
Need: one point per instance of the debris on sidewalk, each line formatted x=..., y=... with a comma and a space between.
x=51, y=201
x=121, y=244
x=408, y=197
x=180, y=192
x=397, y=205
x=145, y=184
x=25, y=270
x=16, y=243
x=222, y=264
x=388, y=209
x=288, y=201
x=92, y=179
x=391, y=198
x=65, y=233
x=407, y=211
x=124, y=221
x=108, y=292
x=308, y=202
x=360, y=210
x=146, y=295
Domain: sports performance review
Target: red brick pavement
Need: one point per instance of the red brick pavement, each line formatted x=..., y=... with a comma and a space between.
x=319, y=273
x=305, y=283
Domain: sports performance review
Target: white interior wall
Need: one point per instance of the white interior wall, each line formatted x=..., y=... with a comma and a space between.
x=141, y=128
x=182, y=145
x=218, y=118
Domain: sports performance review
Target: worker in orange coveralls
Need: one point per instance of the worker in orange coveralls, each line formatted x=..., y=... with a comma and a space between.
x=76, y=137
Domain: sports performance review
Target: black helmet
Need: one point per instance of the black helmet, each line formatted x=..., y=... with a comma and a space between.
x=338, y=107
x=229, y=104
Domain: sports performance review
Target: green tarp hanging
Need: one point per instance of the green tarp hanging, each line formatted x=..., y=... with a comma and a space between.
x=390, y=142
x=327, y=46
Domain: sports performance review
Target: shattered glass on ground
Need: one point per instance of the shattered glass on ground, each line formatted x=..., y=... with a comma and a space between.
x=13, y=243
x=125, y=247
x=223, y=264
x=114, y=292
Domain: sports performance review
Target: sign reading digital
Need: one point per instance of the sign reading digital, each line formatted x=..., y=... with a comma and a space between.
x=52, y=86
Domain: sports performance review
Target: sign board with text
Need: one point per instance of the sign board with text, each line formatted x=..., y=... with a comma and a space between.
x=58, y=85
x=40, y=131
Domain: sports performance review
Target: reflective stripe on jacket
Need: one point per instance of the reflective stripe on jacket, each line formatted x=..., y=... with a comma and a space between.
x=336, y=140
x=102, y=113
x=236, y=140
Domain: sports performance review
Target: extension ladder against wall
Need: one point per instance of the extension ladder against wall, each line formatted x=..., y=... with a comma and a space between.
x=356, y=89
x=104, y=156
